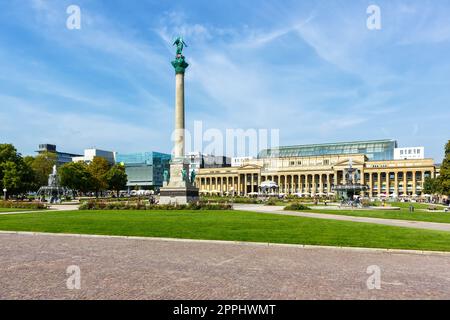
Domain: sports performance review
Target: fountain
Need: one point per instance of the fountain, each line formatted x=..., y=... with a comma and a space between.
x=352, y=187
x=53, y=191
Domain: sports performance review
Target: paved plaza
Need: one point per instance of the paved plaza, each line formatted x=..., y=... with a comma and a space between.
x=34, y=267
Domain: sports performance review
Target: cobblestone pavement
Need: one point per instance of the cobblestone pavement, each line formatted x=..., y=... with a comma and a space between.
x=34, y=267
x=389, y=222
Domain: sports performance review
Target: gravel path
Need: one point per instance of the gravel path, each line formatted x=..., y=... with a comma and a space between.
x=34, y=267
x=55, y=207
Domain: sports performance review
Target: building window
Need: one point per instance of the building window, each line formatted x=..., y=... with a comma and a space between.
x=326, y=162
x=299, y=163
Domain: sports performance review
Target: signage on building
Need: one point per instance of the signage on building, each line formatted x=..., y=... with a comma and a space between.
x=409, y=153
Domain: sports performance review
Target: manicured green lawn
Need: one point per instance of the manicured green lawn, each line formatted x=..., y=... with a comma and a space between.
x=228, y=225
x=405, y=205
x=402, y=214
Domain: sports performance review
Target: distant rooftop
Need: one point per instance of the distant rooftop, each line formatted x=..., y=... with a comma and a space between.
x=46, y=147
x=142, y=157
x=373, y=149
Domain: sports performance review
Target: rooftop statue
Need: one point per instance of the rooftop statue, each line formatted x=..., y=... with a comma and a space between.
x=180, y=63
x=179, y=42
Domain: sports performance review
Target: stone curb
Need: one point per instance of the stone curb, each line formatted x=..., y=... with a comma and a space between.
x=242, y=243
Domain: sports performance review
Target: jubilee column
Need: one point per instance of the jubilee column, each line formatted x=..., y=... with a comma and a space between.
x=178, y=188
x=180, y=65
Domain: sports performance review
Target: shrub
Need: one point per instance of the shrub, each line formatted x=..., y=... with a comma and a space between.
x=297, y=207
x=121, y=205
x=22, y=205
x=366, y=203
x=271, y=202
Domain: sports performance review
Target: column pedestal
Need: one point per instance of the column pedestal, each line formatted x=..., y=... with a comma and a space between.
x=178, y=190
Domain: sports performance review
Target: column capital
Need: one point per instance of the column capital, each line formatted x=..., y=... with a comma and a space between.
x=180, y=64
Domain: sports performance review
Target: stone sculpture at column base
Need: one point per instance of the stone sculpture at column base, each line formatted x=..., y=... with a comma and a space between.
x=179, y=190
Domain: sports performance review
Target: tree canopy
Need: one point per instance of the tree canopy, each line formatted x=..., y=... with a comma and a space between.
x=42, y=166
x=16, y=175
x=441, y=184
x=75, y=176
x=444, y=177
x=117, y=178
x=98, y=169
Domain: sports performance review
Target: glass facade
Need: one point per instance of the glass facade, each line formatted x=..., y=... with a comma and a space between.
x=374, y=150
x=145, y=169
x=62, y=157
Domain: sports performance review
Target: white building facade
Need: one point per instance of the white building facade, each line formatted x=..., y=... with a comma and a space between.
x=90, y=154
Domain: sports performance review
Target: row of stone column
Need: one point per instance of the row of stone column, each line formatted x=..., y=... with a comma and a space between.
x=304, y=183
x=230, y=184
x=248, y=183
x=315, y=184
x=395, y=182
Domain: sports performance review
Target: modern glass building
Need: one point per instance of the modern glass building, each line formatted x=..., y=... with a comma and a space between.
x=145, y=170
x=373, y=149
x=62, y=157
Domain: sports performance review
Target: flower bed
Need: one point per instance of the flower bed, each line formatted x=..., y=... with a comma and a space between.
x=23, y=205
x=121, y=205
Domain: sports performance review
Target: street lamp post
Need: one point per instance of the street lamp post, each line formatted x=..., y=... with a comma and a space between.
x=4, y=194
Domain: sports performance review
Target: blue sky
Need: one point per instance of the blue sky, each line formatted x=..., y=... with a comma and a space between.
x=309, y=68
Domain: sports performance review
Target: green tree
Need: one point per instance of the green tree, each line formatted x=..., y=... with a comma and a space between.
x=28, y=177
x=42, y=166
x=117, y=178
x=15, y=174
x=444, y=176
x=431, y=185
x=8, y=153
x=11, y=177
x=98, y=169
x=75, y=176
x=33, y=183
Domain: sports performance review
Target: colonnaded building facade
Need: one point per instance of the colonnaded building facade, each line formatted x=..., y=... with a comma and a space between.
x=313, y=170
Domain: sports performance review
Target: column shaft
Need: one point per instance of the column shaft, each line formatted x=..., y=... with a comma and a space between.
x=179, y=116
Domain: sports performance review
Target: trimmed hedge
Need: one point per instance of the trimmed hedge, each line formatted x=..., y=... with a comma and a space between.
x=23, y=205
x=102, y=205
x=297, y=207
